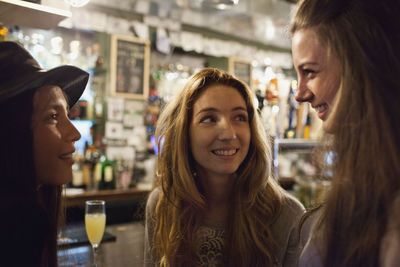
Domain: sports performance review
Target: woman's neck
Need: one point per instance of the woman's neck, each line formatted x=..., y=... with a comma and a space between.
x=218, y=191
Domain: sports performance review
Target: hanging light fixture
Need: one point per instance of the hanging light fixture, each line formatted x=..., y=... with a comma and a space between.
x=77, y=3
x=221, y=4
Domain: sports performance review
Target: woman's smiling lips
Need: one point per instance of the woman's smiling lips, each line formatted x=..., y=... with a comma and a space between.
x=225, y=152
x=321, y=110
x=67, y=157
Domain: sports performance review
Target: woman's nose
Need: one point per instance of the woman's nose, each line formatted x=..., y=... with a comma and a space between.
x=303, y=94
x=72, y=134
x=227, y=131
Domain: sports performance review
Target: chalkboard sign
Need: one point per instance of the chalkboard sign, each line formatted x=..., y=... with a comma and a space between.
x=241, y=69
x=129, y=67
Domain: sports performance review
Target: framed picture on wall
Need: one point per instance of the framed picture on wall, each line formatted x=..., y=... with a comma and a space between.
x=241, y=68
x=129, y=67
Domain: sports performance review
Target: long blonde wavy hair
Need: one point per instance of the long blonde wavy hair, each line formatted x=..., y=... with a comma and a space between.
x=257, y=198
x=365, y=36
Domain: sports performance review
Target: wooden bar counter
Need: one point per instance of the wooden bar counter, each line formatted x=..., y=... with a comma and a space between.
x=127, y=249
x=117, y=195
x=124, y=242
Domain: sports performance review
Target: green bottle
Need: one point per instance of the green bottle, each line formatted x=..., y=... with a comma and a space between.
x=107, y=174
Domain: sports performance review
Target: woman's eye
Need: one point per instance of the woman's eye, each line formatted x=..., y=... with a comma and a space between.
x=207, y=119
x=309, y=72
x=54, y=116
x=241, y=118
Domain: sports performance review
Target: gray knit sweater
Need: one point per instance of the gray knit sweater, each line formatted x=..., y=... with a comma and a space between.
x=210, y=236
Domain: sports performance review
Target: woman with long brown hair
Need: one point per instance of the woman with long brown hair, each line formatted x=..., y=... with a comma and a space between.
x=215, y=202
x=347, y=56
x=37, y=142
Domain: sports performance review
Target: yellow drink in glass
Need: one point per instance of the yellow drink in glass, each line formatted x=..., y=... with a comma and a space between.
x=95, y=224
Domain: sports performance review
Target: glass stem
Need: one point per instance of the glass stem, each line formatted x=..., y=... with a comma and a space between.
x=95, y=248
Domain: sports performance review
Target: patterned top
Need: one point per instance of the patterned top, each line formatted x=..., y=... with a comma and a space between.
x=210, y=245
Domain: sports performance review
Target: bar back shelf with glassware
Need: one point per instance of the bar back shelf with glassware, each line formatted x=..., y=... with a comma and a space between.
x=296, y=170
x=290, y=145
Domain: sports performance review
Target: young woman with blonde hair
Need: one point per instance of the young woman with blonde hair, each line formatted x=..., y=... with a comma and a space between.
x=215, y=202
x=347, y=56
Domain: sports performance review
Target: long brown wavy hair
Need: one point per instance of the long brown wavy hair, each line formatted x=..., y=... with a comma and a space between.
x=365, y=36
x=21, y=197
x=257, y=198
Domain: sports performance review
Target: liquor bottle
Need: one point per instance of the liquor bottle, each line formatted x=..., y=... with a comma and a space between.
x=87, y=175
x=307, y=127
x=118, y=172
x=97, y=169
x=91, y=170
x=123, y=173
x=77, y=173
x=3, y=33
x=290, y=132
x=86, y=167
x=83, y=107
x=107, y=174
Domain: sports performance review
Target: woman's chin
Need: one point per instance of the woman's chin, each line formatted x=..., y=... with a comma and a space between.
x=329, y=125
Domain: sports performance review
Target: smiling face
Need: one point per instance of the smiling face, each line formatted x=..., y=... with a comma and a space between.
x=318, y=71
x=219, y=131
x=53, y=137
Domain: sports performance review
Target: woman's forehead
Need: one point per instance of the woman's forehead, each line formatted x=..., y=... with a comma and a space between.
x=49, y=95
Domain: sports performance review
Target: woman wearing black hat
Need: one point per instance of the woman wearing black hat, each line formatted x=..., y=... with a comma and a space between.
x=37, y=142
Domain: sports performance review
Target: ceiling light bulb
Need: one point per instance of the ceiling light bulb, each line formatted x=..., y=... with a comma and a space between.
x=77, y=3
x=221, y=4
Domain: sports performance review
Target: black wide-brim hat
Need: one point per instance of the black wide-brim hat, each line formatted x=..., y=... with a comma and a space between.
x=20, y=72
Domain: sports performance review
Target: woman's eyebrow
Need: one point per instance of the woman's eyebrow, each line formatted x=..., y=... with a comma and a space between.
x=239, y=108
x=215, y=109
x=57, y=107
x=207, y=110
x=301, y=66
